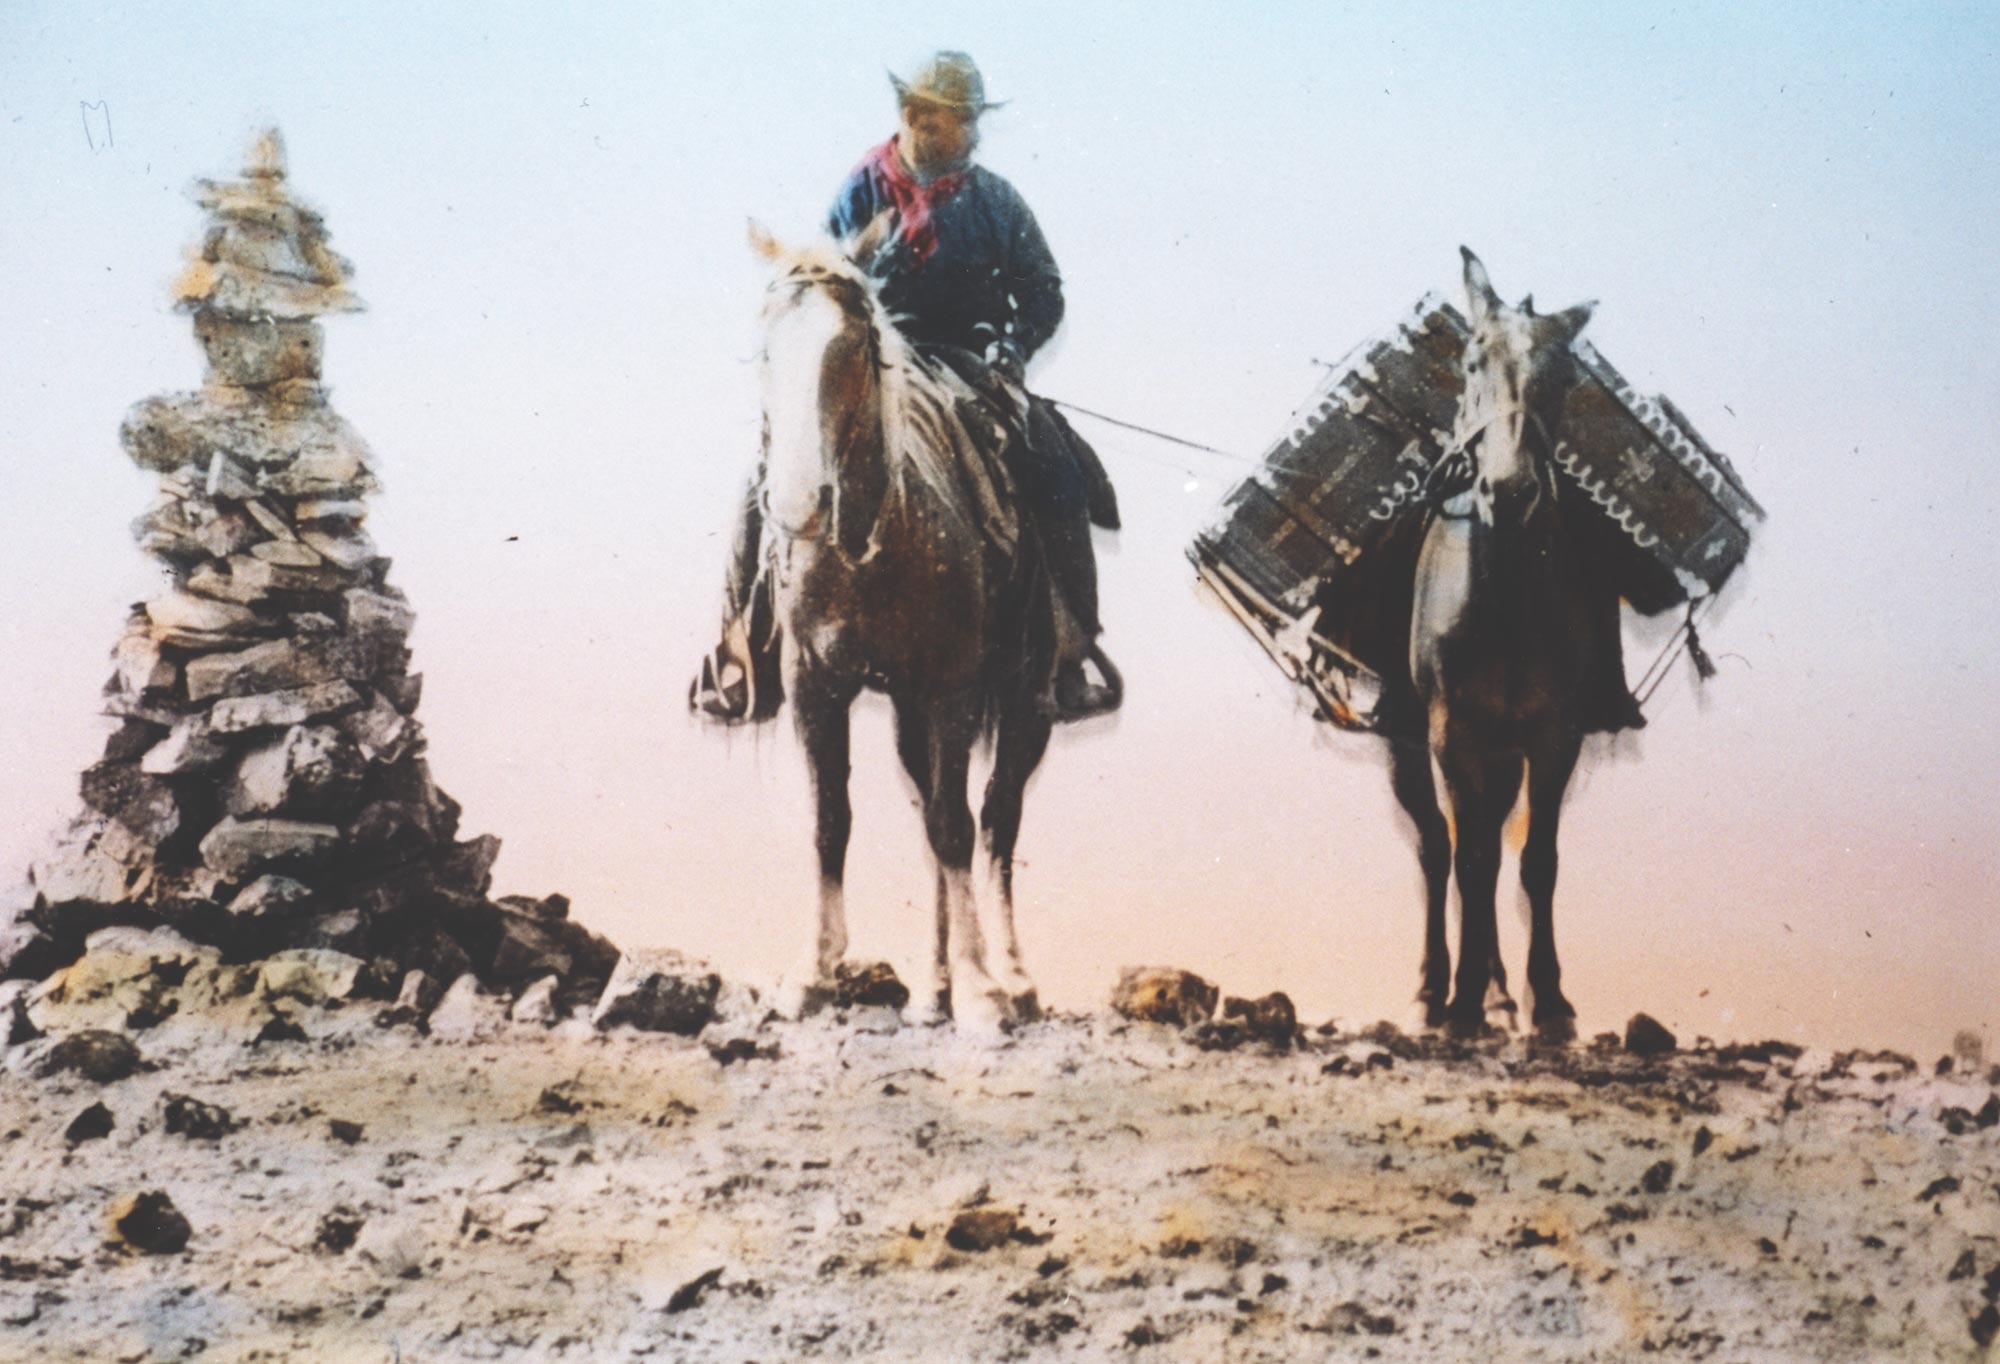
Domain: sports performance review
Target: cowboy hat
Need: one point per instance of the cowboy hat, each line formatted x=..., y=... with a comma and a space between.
x=950, y=79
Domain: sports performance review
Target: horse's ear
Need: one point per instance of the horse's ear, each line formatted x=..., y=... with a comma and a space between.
x=1478, y=289
x=865, y=245
x=1528, y=304
x=763, y=243
x=1569, y=322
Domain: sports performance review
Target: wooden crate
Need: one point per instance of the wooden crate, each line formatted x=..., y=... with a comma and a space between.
x=1301, y=540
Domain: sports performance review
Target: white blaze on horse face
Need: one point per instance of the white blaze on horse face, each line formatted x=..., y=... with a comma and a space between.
x=1493, y=413
x=796, y=465
x=1505, y=365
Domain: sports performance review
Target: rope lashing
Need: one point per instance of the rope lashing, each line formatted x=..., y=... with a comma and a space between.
x=1684, y=637
x=1704, y=666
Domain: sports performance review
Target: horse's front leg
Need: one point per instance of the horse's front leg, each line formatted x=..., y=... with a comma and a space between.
x=977, y=1000
x=1416, y=792
x=1482, y=787
x=1551, y=761
x=1023, y=739
x=820, y=710
x=1501, y=1010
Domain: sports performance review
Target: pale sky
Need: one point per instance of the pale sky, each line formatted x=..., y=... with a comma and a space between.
x=1786, y=213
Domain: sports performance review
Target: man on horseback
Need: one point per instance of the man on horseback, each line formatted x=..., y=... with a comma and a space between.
x=969, y=279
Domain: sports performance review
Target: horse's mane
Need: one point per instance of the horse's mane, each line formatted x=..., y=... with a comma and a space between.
x=927, y=411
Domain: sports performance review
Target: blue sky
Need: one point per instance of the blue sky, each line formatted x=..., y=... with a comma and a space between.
x=1786, y=215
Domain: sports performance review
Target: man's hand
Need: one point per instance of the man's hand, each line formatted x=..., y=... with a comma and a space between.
x=1004, y=358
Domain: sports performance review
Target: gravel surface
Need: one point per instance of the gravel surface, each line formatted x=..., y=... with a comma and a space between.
x=1089, y=1188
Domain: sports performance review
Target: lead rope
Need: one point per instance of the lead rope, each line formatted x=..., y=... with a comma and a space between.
x=1167, y=436
x=1686, y=637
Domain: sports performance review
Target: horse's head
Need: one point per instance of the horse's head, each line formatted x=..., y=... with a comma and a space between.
x=823, y=345
x=1518, y=370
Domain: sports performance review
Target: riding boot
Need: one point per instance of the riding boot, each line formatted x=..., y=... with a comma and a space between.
x=740, y=680
x=1079, y=698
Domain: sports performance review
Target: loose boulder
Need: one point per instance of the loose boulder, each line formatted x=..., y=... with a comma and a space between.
x=93, y=1124
x=981, y=1229
x=1647, y=1036
x=868, y=984
x=1272, y=1019
x=149, y=1222
x=270, y=896
x=537, y=1003
x=1159, y=994
x=658, y=991
x=97, y=1055
x=127, y=977
x=310, y=976
x=419, y=993
x=464, y=1012
x=195, y=1120
x=15, y=1025
x=242, y=848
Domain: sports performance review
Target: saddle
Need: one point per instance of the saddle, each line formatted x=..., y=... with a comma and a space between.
x=1050, y=463
x=1011, y=458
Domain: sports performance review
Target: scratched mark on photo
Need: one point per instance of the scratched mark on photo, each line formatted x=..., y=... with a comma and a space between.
x=96, y=130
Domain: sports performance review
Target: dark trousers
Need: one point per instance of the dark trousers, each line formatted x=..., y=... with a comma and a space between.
x=1053, y=481
x=1063, y=525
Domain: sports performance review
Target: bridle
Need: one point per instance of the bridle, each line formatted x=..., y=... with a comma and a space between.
x=1540, y=460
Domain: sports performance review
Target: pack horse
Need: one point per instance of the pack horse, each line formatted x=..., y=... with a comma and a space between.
x=1501, y=643
x=1437, y=549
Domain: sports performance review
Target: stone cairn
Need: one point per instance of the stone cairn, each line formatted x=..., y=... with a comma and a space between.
x=266, y=788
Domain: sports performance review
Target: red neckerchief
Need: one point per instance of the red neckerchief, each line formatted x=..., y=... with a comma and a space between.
x=915, y=203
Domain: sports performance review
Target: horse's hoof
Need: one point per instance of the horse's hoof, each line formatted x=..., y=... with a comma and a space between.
x=1461, y=1028
x=1555, y=1032
x=983, y=1013
x=1022, y=998
x=797, y=999
x=930, y=1011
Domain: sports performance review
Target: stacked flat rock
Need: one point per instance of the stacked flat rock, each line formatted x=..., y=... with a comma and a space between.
x=266, y=787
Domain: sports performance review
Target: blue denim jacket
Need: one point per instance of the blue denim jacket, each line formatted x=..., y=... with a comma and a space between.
x=991, y=277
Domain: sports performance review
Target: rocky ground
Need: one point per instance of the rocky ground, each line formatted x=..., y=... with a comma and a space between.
x=353, y=1187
